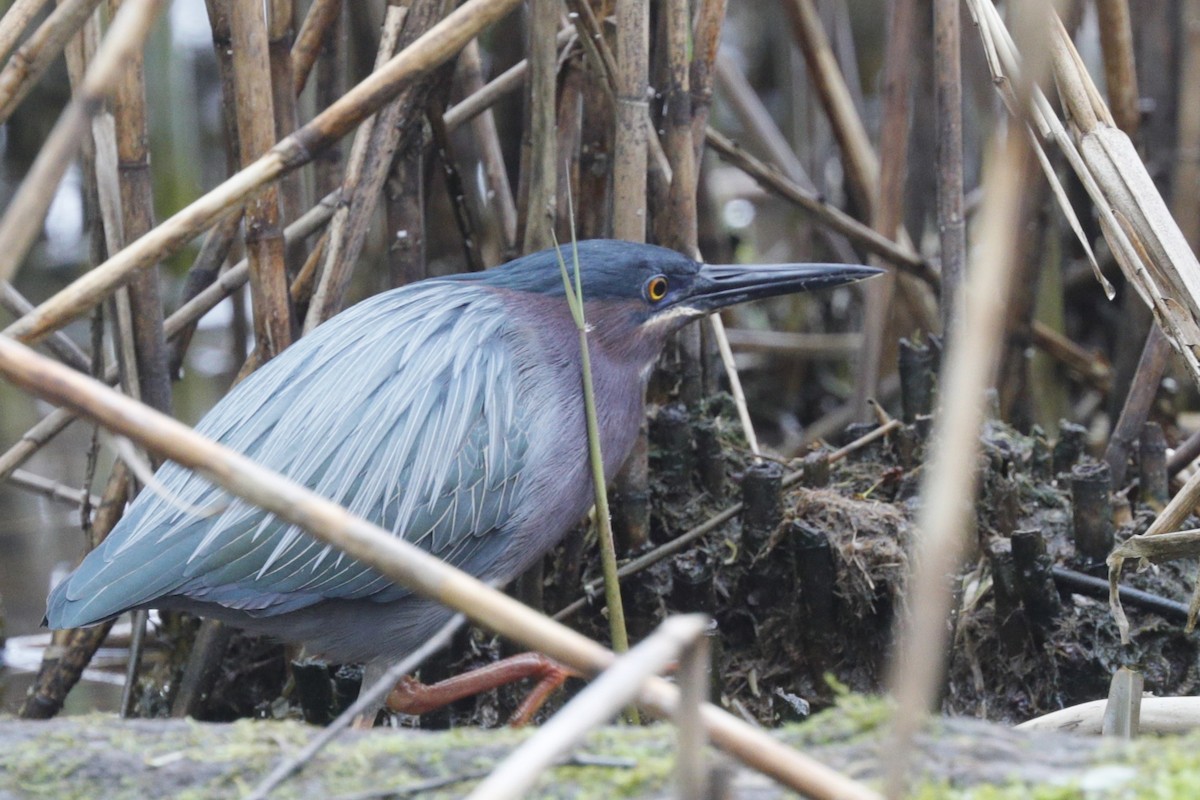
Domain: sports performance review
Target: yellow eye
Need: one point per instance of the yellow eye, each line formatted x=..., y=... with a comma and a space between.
x=656, y=288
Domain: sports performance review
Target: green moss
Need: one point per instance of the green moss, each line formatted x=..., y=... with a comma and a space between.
x=97, y=756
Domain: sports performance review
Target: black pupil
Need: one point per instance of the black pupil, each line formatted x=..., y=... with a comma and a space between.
x=658, y=287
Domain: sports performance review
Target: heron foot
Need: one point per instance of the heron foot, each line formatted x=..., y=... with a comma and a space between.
x=410, y=696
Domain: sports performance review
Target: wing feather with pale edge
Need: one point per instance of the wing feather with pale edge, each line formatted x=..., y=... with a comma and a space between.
x=391, y=409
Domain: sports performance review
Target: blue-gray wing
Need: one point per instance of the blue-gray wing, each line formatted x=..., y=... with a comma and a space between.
x=401, y=409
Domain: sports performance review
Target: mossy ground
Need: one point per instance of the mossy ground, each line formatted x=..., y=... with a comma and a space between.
x=79, y=758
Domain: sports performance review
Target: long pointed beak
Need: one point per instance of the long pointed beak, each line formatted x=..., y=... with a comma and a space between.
x=720, y=285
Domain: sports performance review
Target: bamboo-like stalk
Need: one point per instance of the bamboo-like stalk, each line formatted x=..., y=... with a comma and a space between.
x=706, y=41
x=16, y=19
x=62, y=667
x=539, y=167
x=428, y=52
x=283, y=100
x=1185, y=202
x=595, y=46
x=629, y=143
x=23, y=218
x=631, y=109
x=676, y=222
x=952, y=226
x=52, y=489
x=679, y=231
x=38, y=52
x=320, y=20
x=887, y=216
x=249, y=41
x=1120, y=71
x=401, y=561
x=137, y=210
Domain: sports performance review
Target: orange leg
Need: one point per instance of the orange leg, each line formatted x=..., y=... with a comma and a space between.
x=413, y=697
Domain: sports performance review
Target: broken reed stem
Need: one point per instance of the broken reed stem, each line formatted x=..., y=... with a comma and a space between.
x=256, y=135
x=431, y=50
x=1142, y=390
x=14, y=23
x=1120, y=72
x=22, y=220
x=950, y=480
x=38, y=52
x=52, y=489
x=319, y=22
x=951, y=220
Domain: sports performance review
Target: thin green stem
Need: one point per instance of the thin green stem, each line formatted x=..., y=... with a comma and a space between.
x=608, y=552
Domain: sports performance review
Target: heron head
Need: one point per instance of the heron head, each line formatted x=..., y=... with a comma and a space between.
x=641, y=292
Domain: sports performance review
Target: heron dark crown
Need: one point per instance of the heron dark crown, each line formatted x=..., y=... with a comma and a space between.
x=610, y=270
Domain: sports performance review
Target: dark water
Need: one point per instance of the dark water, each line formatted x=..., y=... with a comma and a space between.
x=39, y=536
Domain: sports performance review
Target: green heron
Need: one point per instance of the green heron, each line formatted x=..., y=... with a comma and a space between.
x=448, y=411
